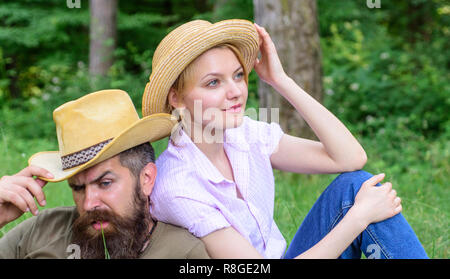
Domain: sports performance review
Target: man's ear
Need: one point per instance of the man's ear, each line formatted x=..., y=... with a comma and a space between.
x=147, y=178
x=174, y=100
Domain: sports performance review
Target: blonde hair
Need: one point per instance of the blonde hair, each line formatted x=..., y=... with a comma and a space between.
x=187, y=74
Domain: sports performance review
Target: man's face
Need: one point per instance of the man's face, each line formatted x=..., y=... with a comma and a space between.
x=107, y=186
x=111, y=204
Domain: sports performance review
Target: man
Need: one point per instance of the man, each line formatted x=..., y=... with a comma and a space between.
x=105, y=155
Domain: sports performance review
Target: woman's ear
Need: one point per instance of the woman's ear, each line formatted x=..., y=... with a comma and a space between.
x=174, y=99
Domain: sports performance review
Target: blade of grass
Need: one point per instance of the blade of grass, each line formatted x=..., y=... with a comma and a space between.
x=107, y=257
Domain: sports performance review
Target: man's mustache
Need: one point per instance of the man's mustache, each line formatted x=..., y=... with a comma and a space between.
x=91, y=217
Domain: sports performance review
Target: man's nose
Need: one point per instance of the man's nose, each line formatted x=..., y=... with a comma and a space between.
x=91, y=199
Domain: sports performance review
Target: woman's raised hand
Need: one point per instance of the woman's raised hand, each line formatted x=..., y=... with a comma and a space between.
x=268, y=66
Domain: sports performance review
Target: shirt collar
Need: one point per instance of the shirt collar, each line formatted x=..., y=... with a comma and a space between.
x=236, y=138
x=189, y=152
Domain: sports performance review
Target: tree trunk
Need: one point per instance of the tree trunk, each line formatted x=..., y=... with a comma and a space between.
x=102, y=35
x=293, y=26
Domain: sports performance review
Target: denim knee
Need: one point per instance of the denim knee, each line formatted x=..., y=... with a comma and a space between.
x=348, y=182
x=354, y=177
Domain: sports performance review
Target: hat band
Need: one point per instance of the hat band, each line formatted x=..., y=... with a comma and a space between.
x=83, y=156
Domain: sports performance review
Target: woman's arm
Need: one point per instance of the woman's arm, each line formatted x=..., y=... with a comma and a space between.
x=372, y=204
x=338, y=239
x=227, y=243
x=337, y=151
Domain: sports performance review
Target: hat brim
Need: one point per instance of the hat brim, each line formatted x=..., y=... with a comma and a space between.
x=240, y=33
x=147, y=129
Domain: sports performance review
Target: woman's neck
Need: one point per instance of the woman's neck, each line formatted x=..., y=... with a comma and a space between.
x=211, y=144
x=209, y=141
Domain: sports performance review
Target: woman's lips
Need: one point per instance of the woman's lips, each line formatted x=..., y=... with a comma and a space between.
x=235, y=108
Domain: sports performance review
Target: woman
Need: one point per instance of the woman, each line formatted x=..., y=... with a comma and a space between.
x=215, y=178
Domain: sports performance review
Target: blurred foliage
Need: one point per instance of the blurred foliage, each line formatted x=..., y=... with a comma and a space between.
x=385, y=70
x=385, y=75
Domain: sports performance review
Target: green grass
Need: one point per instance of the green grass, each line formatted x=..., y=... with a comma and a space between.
x=420, y=178
x=423, y=187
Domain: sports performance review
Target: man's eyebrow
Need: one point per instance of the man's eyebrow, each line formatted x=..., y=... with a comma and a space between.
x=96, y=180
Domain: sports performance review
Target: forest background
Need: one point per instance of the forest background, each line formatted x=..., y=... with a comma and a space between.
x=385, y=74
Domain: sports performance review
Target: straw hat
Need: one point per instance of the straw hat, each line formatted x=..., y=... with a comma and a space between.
x=97, y=127
x=181, y=46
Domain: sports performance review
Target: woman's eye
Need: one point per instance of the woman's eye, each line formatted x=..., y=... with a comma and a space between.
x=213, y=83
x=239, y=75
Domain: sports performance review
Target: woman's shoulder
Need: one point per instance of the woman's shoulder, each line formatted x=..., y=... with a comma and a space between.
x=173, y=176
x=252, y=128
x=171, y=160
x=255, y=133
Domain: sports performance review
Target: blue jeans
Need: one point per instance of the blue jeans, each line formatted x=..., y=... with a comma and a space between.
x=391, y=238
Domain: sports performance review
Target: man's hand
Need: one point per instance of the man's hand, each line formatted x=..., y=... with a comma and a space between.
x=17, y=193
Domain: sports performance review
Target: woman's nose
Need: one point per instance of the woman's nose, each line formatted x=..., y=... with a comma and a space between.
x=234, y=90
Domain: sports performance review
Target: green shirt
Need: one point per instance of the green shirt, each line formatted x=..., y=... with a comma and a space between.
x=49, y=235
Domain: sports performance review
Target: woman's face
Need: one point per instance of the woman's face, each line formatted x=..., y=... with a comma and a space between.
x=216, y=92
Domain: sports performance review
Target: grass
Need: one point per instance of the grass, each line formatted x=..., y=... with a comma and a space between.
x=423, y=187
x=420, y=178
x=107, y=256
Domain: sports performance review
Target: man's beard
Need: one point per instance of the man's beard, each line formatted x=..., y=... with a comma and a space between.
x=124, y=236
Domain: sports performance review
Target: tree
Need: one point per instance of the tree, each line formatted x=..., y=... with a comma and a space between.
x=103, y=35
x=293, y=27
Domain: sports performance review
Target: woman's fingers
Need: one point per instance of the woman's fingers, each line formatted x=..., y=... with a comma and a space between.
x=258, y=28
x=393, y=194
x=265, y=41
x=387, y=186
x=256, y=62
x=397, y=201
x=374, y=180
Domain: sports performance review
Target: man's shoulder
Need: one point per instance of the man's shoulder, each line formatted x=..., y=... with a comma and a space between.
x=41, y=236
x=63, y=215
x=58, y=211
x=54, y=221
x=52, y=224
x=171, y=241
x=48, y=218
x=176, y=236
x=172, y=231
